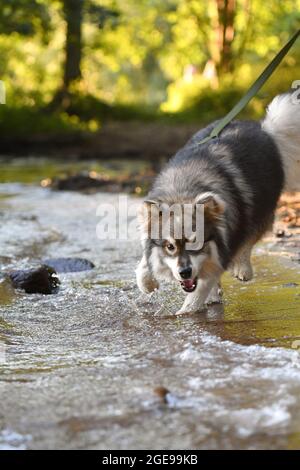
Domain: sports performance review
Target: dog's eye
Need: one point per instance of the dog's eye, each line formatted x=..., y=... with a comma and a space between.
x=170, y=247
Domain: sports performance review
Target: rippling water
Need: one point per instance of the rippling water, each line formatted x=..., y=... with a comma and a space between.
x=79, y=369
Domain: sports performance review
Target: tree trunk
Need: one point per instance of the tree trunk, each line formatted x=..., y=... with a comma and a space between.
x=225, y=31
x=73, y=11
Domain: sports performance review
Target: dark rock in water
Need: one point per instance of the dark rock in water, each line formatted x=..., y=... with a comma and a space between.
x=92, y=182
x=85, y=182
x=69, y=265
x=290, y=284
x=280, y=233
x=41, y=280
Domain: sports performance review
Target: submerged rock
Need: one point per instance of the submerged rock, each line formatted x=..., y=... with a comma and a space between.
x=281, y=233
x=86, y=182
x=92, y=182
x=69, y=265
x=162, y=393
x=40, y=280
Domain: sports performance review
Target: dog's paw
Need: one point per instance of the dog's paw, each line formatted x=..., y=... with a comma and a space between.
x=215, y=297
x=147, y=284
x=183, y=311
x=243, y=272
x=144, y=279
x=189, y=310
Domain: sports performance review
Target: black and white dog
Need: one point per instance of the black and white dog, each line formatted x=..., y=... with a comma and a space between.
x=238, y=178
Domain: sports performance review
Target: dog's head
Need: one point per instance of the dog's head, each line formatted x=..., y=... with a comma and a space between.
x=180, y=238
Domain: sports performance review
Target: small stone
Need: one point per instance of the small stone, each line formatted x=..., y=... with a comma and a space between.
x=85, y=182
x=40, y=280
x=279, y=233
x=162, y=392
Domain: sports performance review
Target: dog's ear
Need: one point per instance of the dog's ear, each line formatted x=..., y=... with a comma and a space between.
x=151, y=207
x=214, y=206
x=148, y=215
x=148, y=203
x=151, y=201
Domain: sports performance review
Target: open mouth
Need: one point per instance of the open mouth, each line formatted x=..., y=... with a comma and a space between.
x=189, y=285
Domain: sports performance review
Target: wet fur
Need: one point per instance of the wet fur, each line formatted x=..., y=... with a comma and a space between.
x=243, y=171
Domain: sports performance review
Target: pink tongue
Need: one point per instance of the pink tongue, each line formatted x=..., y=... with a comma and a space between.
x=188, y=283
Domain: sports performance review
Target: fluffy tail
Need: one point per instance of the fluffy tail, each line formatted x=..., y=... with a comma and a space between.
x=282, y=122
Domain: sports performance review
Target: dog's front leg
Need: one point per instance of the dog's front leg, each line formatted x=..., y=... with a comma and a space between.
x=215, y=295
x=195, y=300
x=144, y=278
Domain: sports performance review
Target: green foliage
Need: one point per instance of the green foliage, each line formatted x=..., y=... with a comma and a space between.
x=87, y=107
x=25, y=121
x=101, y=15
x=141, y=59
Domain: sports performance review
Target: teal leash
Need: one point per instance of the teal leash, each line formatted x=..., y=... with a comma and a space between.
x=259, y=82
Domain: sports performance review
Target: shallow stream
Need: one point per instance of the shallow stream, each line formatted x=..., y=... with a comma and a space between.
x=79, y=368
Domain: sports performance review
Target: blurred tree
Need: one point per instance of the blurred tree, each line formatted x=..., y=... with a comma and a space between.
x=163, y=55
x=73, y=12
x=225, y=34
x=220, y=46
x=129, y=53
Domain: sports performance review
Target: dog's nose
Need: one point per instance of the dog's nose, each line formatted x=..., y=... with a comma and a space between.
x=185, y=273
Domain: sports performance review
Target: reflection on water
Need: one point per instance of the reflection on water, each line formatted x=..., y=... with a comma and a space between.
x=7, y=293
x=266, y=310
x=81, y=367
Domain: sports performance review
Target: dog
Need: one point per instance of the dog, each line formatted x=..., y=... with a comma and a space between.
x=237, y=178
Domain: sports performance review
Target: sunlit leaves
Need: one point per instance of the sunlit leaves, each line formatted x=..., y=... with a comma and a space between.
x=156, y=52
